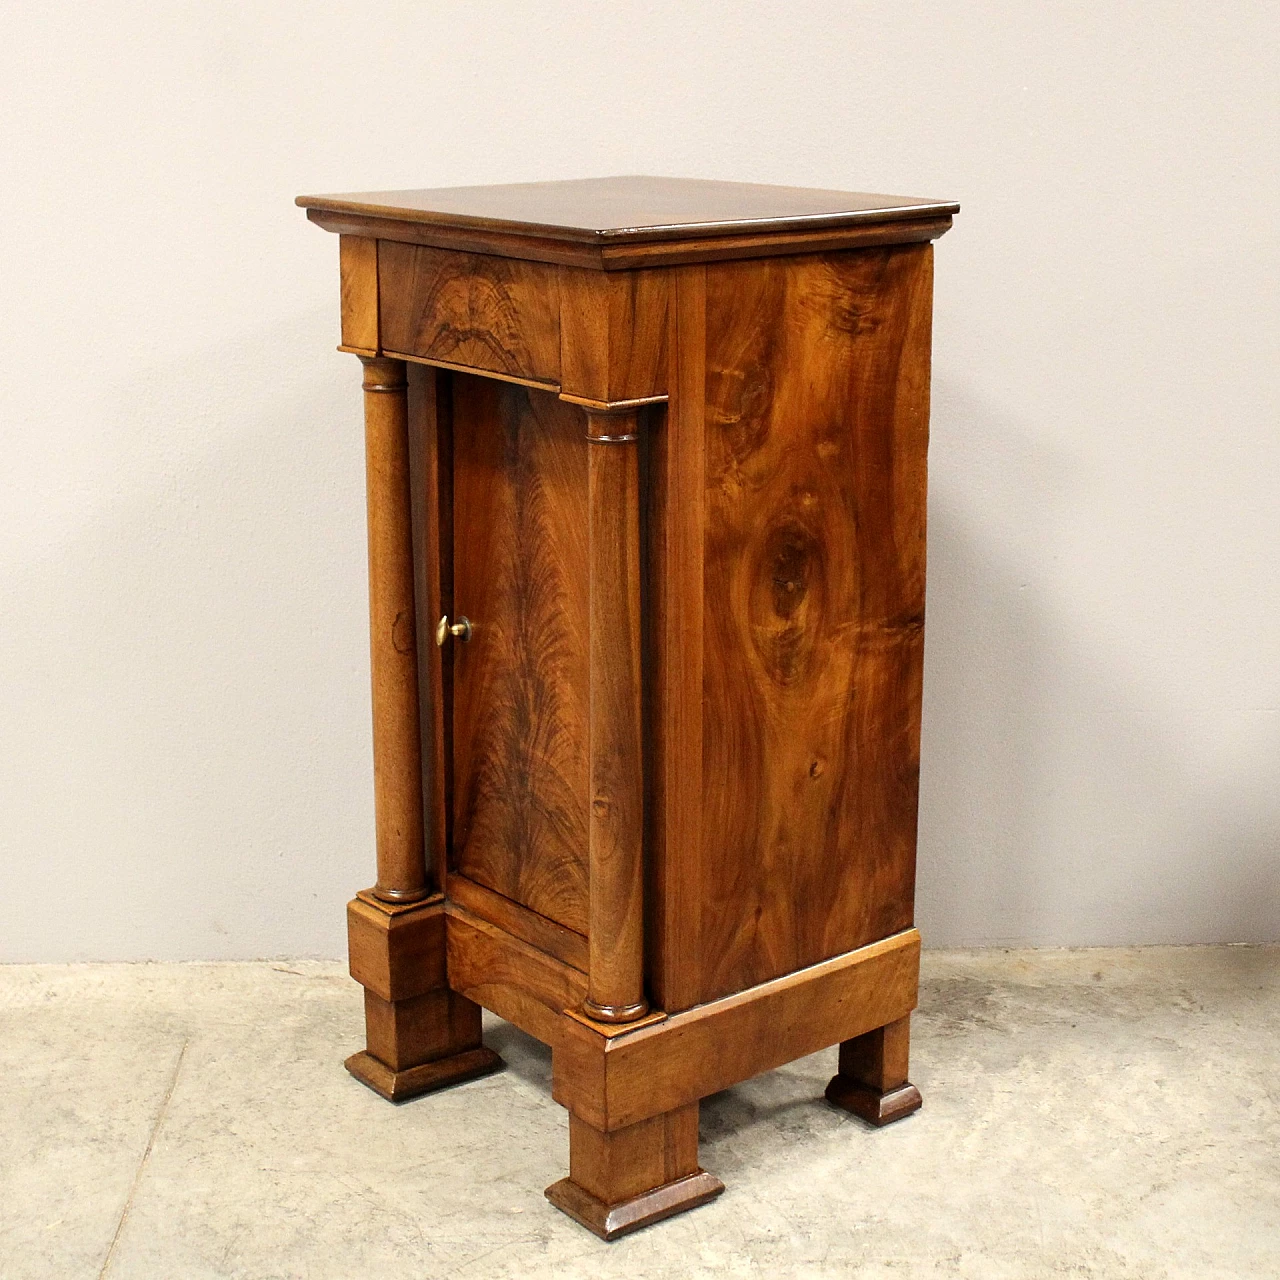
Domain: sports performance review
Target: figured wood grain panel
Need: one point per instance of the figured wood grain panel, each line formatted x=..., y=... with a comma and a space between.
x=520, y=683
x=817, y=376
x=469, y=309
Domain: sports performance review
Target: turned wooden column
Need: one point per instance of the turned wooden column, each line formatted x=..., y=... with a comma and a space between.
x=615, y=981
x=397, y=744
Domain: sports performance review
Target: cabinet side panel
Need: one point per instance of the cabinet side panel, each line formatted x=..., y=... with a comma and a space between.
x=520, y=682
x=817, y=374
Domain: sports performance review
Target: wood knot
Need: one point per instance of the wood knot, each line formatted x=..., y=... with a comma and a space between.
x=789, y=555
x=817, y=769
x=787, y=597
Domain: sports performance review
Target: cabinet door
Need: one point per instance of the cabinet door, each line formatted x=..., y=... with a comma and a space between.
x=520, y=784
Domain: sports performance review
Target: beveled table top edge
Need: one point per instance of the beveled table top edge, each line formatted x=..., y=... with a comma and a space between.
x=867, y=209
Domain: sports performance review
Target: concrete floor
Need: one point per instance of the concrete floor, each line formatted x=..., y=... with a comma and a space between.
x=1089, y=1113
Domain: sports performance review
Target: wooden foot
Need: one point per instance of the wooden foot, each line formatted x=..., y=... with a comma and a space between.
x=420, y=1044
x=611, y=1221
x=419, y=1034
x=399, y=1086
x=872, y=1078
x=873, y=1106
x=622, y=1181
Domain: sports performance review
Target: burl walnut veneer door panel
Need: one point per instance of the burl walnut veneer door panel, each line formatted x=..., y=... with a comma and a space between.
x=520, y=785
x=817, y=386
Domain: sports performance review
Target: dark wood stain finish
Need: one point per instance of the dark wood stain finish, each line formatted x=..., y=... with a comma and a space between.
x=520, y=683
x=817, y=427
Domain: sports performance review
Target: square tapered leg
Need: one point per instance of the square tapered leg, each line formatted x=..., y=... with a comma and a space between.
x=624, y=1180
x=872, y=1077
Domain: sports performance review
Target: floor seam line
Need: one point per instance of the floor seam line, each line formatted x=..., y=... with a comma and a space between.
x=146, y=1155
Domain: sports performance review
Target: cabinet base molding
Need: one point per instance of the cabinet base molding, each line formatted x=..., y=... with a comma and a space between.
x=609, y=1221
x=614, y=1082
x=870, y=1104
x=412, y=1082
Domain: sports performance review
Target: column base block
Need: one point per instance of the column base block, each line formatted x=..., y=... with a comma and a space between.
x=872, y=1105
x=609, y=1221
x=400, y=1086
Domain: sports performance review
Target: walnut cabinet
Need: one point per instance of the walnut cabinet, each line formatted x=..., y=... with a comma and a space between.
x=646, y=502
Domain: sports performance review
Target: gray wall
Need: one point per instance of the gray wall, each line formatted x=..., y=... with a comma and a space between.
x=184, y=740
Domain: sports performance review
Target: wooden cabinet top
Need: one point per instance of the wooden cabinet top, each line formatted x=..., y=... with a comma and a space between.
x=625, y=222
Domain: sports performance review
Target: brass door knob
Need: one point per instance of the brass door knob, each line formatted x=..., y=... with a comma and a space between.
x=461, y=629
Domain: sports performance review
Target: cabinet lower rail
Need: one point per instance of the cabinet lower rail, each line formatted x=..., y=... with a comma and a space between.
x=615, y=1076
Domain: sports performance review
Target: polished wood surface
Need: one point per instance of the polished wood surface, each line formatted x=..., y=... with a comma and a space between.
x=514, y=979
x=609, y=1221
x=676, y=506
x=473, y=311
x=627, y=222
x=633, y=208
x=730, y=247
x=613, y=334
x=615, y=1082
x=425, y=1077
x=520, y=684
x=619, y=1165
x=395, y=954
x=393, y=657
x=652, y=453
x=627, y=255
x=615, y=831
x=816, y=434
x=554, y=939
